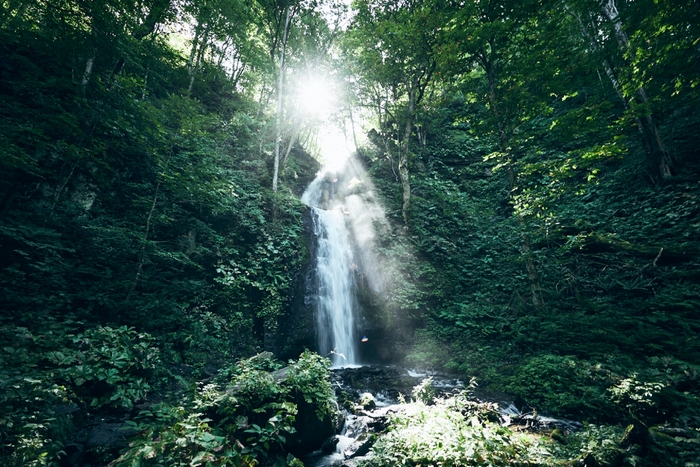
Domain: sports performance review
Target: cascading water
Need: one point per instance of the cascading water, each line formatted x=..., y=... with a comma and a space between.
x=335, y=300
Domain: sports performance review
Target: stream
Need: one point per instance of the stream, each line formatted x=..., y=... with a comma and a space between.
x=352, y=444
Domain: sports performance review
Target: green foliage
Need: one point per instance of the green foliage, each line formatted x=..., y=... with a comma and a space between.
x=563, y=385
x=424, y=392
x=546, y=250
x=452, y=433
x=109, y=367
x=246, y=421
x=43, y=389
x=555, y=199
x=170, y=436
x=460, y=431
x=309, y=379
x=635, y=395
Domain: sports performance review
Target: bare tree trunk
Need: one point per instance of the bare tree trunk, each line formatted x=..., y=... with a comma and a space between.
x=193, y=50
x=237, y=68
x=660, y=157
x=88, y=72
x=199, y=43
x=58, y=191
x=661, y=161
x=144, y=240
x=144, y=93
x=200, y=57
x=487, y=63
x=292, y=140
x=280, y=95
x=532, y=274
x=404, y=151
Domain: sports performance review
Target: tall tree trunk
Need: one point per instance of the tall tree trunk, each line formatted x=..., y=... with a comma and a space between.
x=659, y=157
x=280, y=96
x=144, y=92
x=487, y=61
x=201, y=48
x=87, y=74
x=404, y=151
x=146, y=233
x=656, y=149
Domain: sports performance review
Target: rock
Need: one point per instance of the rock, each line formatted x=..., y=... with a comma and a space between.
x=356, y=425
x=100, y=438
x=354, y=462
x=558, y=435
x=261, y=357
x=108, y=434
x=340, y=421
x=361, y=446
x=311, y=432
x=328, y=446
x=590, y=461
x=281, y=374
x=367, y=401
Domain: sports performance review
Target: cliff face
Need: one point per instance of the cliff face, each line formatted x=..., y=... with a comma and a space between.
x=296, y=327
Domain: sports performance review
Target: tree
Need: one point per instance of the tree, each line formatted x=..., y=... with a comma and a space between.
x=275, y=19
x=604, y=16
x=490, y=35
x=395, y=47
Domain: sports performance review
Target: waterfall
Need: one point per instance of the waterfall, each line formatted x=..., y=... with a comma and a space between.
x=335, y=300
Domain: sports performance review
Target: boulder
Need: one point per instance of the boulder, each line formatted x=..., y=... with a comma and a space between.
x=361, y=446
x=328, y=446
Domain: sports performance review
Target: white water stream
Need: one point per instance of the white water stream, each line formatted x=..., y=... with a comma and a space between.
x=336, y=307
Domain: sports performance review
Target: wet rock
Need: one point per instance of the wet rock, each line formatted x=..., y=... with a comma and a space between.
x=361, y=446
x=356, y=425
x=296, y=328
x=328, y=446
x=311, y=431
x=340, y=421
x=354, y=462
x=510, y=415
x=109, y=434
x=367, y=401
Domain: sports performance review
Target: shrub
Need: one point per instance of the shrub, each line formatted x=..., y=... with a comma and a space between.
x=451, y=433
x=565, y=386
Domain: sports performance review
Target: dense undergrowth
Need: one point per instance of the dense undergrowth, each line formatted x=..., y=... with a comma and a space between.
x=457, y=431
x=542, y=251
x=143, y=247
x=246, y=416
x=614, y=341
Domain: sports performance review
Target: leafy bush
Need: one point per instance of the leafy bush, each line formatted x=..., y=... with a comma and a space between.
x=108, y=366
x=309, y=379
x=634, y=395
x=424, y=392
x=47, y=378
x=245, y=418
x=174, y=436
x=565, y=386
x=451, y=433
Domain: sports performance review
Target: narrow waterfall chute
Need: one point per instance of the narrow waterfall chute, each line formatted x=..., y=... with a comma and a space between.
x=345, y=214
x=336, y=307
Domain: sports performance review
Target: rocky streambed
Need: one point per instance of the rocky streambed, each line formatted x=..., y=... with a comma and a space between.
x=369, y=395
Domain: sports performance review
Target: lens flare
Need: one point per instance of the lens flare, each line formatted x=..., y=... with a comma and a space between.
x=315, y=97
